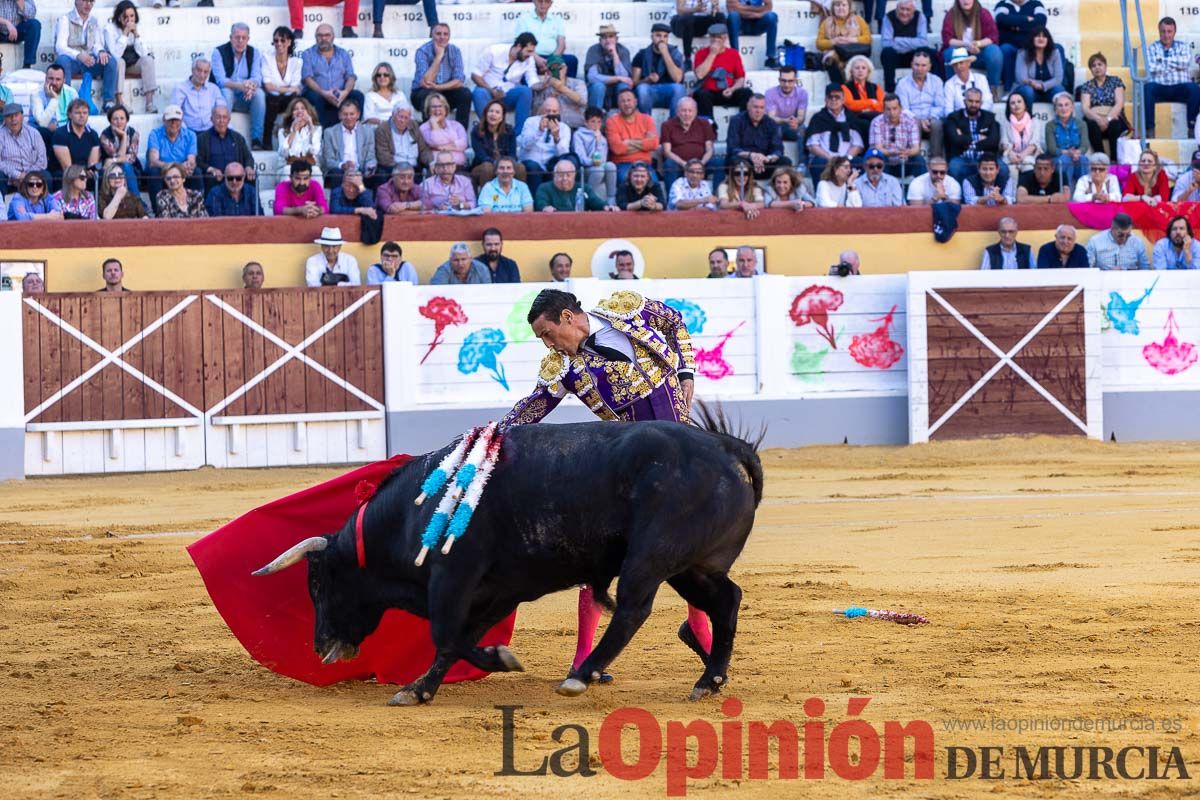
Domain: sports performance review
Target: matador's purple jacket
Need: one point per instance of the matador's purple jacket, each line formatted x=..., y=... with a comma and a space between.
x=647, y=388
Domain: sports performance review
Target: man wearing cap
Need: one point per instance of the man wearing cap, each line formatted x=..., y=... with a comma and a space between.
x=326, y=267
x=508, y=73
x=1117, y=247
x=832, y=132
x=570, y=92
x=721, y=74
x=172, y=143
x=963, y=80
x=1187, y=186
x=608, y=69
x=550, y=33
x=21, y=149
x=879, y=190
x=460, y=268
x=1007, y=253
x=658, y=72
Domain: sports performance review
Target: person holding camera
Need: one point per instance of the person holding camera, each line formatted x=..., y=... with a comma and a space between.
x=542, y=142
x=331, y=266
x=847, y=265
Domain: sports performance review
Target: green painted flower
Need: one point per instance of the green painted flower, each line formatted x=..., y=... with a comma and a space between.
x=806, y=364
x=518, y=328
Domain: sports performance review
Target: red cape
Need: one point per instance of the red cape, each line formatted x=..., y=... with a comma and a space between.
x=272, y=616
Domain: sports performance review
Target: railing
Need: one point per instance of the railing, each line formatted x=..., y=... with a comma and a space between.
x=1131, y=58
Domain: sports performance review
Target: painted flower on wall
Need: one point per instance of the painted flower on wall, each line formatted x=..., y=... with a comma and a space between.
x=517, y=322
x=482, y=348
x=1122, y=314
x=1170, y=356
x=877, y=349
x=711, y=362
x=813, y=306
x=444, y=311
x=806, y=364
x=693, y=315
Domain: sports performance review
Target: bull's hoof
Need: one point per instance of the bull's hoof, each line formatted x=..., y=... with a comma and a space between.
x=706, y=688
x=571, y=687
x=507, y=658
x=406, y=697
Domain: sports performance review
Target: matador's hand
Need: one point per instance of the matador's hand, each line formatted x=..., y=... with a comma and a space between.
x=689, y=388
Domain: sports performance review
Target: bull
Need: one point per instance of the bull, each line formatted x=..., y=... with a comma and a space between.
x=645, y=503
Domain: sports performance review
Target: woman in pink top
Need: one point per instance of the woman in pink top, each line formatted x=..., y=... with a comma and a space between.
x=443, y=134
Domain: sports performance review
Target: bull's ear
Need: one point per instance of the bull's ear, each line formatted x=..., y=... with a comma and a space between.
x=293, y=555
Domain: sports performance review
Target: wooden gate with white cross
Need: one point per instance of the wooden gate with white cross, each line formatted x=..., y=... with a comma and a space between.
x=169, y=380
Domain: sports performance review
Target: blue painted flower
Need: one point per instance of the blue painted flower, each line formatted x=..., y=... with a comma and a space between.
x=482, y=348
x=1122, y=313
x=693, y=315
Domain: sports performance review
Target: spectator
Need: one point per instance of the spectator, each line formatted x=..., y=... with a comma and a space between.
x=970, y=27
x=197, y=97
x=300, y=136
x=440, y=69
x=1021, y=135
x=608, y=69
x=551, y=35
x=624, y=267
x=720, y=73
x=1007, y=253
x=543, y=141
x=1117, y=247
x=391, y=267
x=984, y=188
x=571, y=93
x=740, y=191
x=177, y=201
x=501, y=268
x=1016, y=20
x=935, y=186
x=231, y=197
x=1043, y=184
x=399, y=141
x=787, y=104
x=349, y=145
x=237, y=69
x=300, y=195
x=840, y=36
x=718, y=263
x=349, y=18
x=1065, y=142
x=21, y=150
x=685, y=137
x=1168, y=65
x=640, y=192
x=1099, y=185
x=862, y=97
x=125, y=44
x=787, y=191
x=353, y=197
x=504, y=194
x=560, y=267
x=253, y=275
x=79, y=50
x=331, y=266
x=281, y=78
x=113, y=273
x=1103, y=102
x=445, y=191
x=591, y=151
x=565, y=194
x=1187, y=186
x=745, y=263
x=848, y=264
x=963, y=80
x=460, y=268
x=32, y=200
x=658, y=72
x=507, y=73
x=442, y=134
x=755, y=137
x=897, y=135
x=117, y=199
x=119, y=144
x=831, y=132
x=327, y=72
x=693, y=18
x=754, y=18
x=632, y=136
x=428, y=6
x=400, y=195
x=75, y=142
x=971, y=132
x=1062, y=252
x=384, y=97
x=32, y=283
x=74, y=199
x=692, y=190
x=922, y=94
x=1040, y=69
x=902, y=35
x=838, y=187
x=491, y=138
x=1177, y=250
x=220, y=146
x=49, y=105
x=880, y=190
x=19, y=23
x=1149, y=182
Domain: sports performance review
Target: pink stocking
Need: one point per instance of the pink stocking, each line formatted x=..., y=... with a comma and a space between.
x=589, y=618
x=698, y=621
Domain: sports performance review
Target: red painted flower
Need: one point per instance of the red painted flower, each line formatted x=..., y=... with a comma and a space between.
x=877, y=349
x=444, y=312
x=813, y=305
x=1170, y=356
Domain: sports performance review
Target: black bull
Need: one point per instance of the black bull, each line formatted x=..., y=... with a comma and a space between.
x=644, y=502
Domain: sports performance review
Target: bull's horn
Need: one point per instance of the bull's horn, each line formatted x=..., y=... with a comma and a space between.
x=293, y=555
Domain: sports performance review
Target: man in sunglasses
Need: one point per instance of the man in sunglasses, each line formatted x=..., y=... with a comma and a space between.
x=935, y=186
x=879, y=190
x=231, y=197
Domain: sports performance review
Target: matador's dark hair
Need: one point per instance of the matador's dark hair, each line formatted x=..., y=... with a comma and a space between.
x=550, y=303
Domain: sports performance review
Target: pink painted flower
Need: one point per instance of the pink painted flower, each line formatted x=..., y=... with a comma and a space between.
x=1170, y=356
x=813, y=305
x=877, y=349
x=444, y=312
x=711, y=363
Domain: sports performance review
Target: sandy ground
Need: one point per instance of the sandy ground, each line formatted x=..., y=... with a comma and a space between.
x=1061, y=578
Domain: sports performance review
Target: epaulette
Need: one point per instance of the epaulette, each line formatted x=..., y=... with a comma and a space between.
x=622, y=305
x=553, y=368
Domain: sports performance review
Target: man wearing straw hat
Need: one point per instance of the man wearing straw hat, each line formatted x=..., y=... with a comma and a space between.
x=963, y=79
x=331, y=266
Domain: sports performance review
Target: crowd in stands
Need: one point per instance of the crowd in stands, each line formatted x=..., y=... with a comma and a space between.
x=958, y=128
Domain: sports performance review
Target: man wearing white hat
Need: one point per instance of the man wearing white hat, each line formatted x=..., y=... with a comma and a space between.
x=956, y=85
x=331, y=266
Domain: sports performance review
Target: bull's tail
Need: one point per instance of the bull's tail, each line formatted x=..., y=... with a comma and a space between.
x=745, y=443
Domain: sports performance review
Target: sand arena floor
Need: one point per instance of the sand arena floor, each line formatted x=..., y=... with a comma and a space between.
x=1061, y=578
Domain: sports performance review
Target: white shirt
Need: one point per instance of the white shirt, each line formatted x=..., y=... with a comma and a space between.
x=349, y=145
x=532, y=144
x=1084, y=190
x=954, y=91
x=115, y=41
x=496, y=72
x=921, y=189
x=830, y=196
x=608, y=336
x=380, y=108
x=270, y=70
x=346, y=264
x=62, y=33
